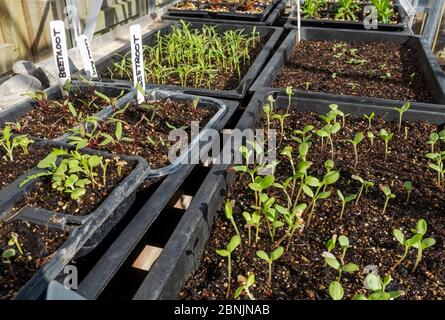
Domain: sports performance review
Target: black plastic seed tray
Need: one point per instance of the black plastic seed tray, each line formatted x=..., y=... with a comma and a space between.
x=183, y=252
x=90, y=228
x=429, y=66
x=206, y=14
x=270, y=34
x=401, y=26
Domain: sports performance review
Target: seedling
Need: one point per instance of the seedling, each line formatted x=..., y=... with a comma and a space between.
x=289, y=93
x=329, y=179
x=7, y=255
x=336, y=291
x=386, y=76
x=371, y=137
x=14, y=241
x=281, y=118
x=344, y=201
x=386, y=137
x=268, y=113
x=416, y=241
x=305, y=134
x=358, y=138
x=384, y=10
x=307, y=85
x=432, y=140
x=247, y=283
x=408, y=186
x=353, y=85
x=327, y=132
x=339, y=264
x=346, y=10
x=401, y=111
x=364, y=186
x=411, y=77
x=274, y=255
x=10, y=143
x=377, y=286
x=369, y=117
x=388, y=195
x=228, y=211
x=234, y=242
x=293, y=220
x=252, y=220
x=438, y=157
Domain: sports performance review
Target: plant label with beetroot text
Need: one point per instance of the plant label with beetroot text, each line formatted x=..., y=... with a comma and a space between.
x=60, y=50
x=86, y=54
x=137, y=57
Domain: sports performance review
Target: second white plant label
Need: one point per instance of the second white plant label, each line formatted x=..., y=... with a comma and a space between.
x=137, y=57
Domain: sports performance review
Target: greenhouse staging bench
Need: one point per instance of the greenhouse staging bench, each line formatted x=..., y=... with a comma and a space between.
x=358, y=197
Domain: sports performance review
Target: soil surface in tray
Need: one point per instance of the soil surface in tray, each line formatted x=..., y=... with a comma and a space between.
x=45, y=197
x=149, y=132
x=250, y=7
x=301, y=272
x=50, y=120
x=11, y=170
x=37, y=244
x=378, y=69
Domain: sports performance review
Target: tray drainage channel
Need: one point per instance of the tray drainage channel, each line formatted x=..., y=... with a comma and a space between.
x=128, y=279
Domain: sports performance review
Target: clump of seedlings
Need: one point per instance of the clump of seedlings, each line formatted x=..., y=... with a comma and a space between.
x=10, y=144
x=335, y=288
x=194, y=58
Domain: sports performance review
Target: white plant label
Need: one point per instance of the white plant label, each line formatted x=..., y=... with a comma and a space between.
x=137, y=58
x=60, y=50
x=86, y=54
x=298, y=22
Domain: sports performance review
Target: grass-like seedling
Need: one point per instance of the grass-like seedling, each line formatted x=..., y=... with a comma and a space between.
x=228, y=211
x=369, y=118
x=408, y=186
x=10, y=143
x=234, y=242
x=274, y=255
x=388, y=195
x=384, y=10
x=192, y=57
x=386, y=137
x=358, y=138
x=364, y=186
x=346, y=10
x=401, y=111
x=344, y=201
x=245, y=287
x=416, y=241
x=377, y=286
